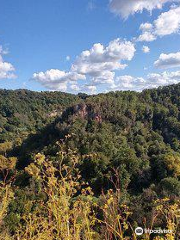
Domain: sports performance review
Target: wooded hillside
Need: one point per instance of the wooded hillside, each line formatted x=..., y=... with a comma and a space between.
x=124, y=145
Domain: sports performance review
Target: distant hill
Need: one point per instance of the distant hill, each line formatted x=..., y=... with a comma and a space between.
x=24, y=111
x=142, y=128
x=123, y=142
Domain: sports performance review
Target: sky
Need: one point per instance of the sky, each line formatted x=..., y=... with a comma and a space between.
x=89, y=46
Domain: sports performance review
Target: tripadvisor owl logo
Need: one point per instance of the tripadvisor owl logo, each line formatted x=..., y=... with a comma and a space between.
x=139, y=231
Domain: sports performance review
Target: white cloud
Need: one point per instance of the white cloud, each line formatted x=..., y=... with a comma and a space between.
x=6, y=69
x=129, y=83
x=147, y=33
x=55, y=79
x=106, y=77
x=145, y=49
x=87, y=88
x=167, y=23
x=91, y=89
x=146, y=37
x=124, y=8
x=146, y=27
x=99, y=63
x=152, y=80
x=164, y=78
x=165, y=61
x=75, y=87
x=96, y=66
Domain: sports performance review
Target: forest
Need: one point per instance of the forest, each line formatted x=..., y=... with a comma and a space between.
x=90, y=167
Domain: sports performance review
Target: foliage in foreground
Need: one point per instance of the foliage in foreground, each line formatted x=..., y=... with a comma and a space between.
x=123, y=169
x=64, y=207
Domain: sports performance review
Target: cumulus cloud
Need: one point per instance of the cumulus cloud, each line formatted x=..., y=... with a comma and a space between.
x=146, y=37
x=91, y=89
x=129, y=83
x=96, y=66
x=145, y=49
x=146, y=27
x=124, y=8
x=152, y=80
x=147, y=33
x=55, y=79
x=99, y=63
x=165, y=61
x=167, y=23
x=6, y=69
x=87, y=88
x=74, y=87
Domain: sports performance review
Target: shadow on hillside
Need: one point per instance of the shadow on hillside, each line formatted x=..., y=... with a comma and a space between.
x=35, y=143
x=49, y=135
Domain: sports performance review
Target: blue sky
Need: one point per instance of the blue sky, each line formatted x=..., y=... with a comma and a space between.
x=89, y=45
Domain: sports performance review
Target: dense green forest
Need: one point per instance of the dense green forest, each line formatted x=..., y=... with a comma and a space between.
x=23, y=111
x=122, y=147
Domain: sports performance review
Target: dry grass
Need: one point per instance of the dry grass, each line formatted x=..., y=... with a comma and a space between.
x=66, y=217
